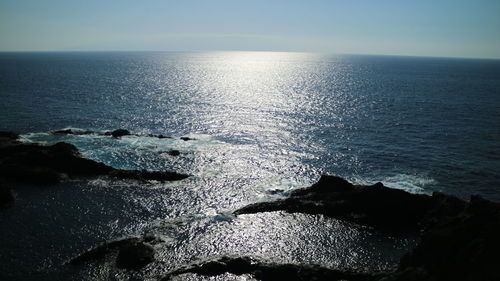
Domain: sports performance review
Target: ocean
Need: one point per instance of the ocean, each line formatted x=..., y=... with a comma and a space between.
x=263, y=124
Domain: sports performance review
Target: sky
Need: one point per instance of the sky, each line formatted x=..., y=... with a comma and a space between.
x=448, y=28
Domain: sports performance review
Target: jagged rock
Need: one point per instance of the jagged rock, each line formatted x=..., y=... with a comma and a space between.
x=174, y=152
x=34, y=163
x=135, y=256
x=462, y=248
x=271, y=271
x=376, y=205
x=118, y=133
x=132, y=253
x=102, y=250
x=72, y=132
x=159, y=136
x=6, y=196
x=459, y=239
x=8, y=139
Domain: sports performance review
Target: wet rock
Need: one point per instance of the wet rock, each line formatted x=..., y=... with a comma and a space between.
x=6, y=196
x=34, y=163
x=159, y=136
x=72, y=132
x=135, y=256
x=131, y=253
x=464, y=247
x=376, y=205
x=8, y=138
x=174, y=152
x=118, y=133
x=186, y=138
x=271, y=271
x=102, y=250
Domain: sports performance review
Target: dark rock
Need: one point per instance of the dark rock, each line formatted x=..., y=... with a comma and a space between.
x=72, y=132
x=464, y=247
x=102, y=250
x=271, y=271
x=34, y=163
x=376, y=205
x=135, y=256
x=8, y=138
x=159, y=136
x=186, y=138
x=118, y=133
x=6, y=196
x=9, y=135
x=132, y=253
x=174, y=152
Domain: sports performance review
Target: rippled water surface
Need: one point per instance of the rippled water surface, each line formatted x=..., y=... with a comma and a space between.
x=263, y=124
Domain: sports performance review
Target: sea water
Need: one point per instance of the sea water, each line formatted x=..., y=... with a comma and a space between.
x=263, y=124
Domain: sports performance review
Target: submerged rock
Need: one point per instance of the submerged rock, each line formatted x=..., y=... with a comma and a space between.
x=72, y=132
x=131, y=253
x=8, y=139
x=376, y=205
x=34, y=163
x=159, y=136
x=118, y=133
x=174, y=152
x=6, y=196
x=135, y=256
x=271, y=271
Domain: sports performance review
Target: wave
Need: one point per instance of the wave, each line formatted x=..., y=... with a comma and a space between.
x=407, y=182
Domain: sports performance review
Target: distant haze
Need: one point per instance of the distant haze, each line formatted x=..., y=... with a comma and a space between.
x=448, y=28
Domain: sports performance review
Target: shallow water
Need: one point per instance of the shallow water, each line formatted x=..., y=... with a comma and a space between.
x=264, y=124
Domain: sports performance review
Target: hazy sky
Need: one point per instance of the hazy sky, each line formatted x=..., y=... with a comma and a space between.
x=456, y=28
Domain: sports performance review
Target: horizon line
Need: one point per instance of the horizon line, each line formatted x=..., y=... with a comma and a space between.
x=247, y=51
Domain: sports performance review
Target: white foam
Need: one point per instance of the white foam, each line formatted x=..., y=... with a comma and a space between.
x=407, y=182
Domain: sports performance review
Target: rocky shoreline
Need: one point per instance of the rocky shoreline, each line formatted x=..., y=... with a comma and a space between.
x=458, y=239
x=39, y=164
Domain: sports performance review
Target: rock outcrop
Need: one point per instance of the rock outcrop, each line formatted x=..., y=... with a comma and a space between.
x=32, y=163
x=6, y=196
x=131, y=253
x=459, y=239
x=271, y=271
x=464, y=247
x=377, y=206
x=115, y=133
x=118, y=133
x=135, y=256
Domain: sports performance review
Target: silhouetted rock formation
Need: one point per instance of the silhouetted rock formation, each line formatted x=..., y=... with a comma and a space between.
x=271, y=271
x=376, y=205
x=72, y=132
x=132, y=253
x=459, y=239
x=174, y=152
x=34, y=163
x=118, y=133
x=464, y=247
x=135, y=256
x=6, y=196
